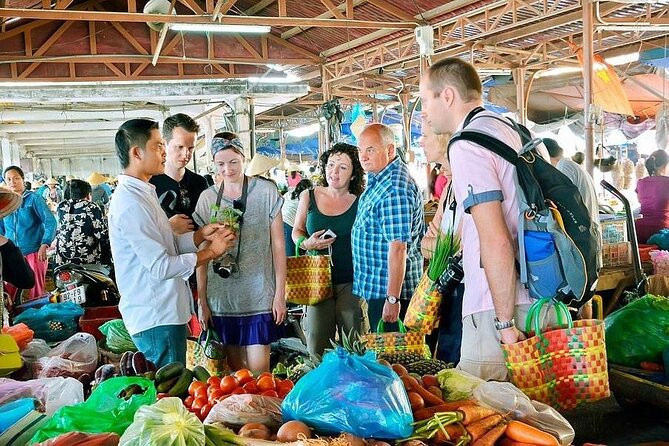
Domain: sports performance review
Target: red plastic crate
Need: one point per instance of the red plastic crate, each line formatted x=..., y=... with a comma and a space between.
x=93, y=317
x=644, y=252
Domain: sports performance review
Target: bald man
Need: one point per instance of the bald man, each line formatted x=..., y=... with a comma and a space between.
x=386, y=235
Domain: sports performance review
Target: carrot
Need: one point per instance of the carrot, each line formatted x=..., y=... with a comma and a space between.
x=478, y=429
x=429, y=398
x=472, y=414
x=491, y=437
x=524, y=433
x=450, y=433
x=427, y=412
x=506, y=441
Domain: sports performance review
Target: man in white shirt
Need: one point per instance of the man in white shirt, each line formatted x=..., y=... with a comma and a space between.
x=152, y=263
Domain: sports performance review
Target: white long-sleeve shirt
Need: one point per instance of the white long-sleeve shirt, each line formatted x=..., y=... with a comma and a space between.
x=152, y=263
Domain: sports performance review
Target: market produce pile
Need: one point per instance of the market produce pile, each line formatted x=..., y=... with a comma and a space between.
x=637, y=338
x=351, y=397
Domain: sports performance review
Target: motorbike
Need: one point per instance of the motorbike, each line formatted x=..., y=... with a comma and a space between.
x=87, y=285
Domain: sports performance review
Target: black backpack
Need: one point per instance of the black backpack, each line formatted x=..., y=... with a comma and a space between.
x=558, y=244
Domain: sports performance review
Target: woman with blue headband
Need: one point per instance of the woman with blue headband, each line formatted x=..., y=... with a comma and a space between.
x=242, y=294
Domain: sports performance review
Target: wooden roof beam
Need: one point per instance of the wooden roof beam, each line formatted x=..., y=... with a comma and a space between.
x=333, y=9
x=98, y=16
x=392, y=9
x=326, y=15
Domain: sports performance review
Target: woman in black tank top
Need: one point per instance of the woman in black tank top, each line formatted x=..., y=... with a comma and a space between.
x=331, y=208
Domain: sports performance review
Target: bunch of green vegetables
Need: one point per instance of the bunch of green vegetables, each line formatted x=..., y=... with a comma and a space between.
x=446, y=246
x=228, y=216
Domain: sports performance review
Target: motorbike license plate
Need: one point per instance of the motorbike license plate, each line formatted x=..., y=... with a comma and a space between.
x=77, y=295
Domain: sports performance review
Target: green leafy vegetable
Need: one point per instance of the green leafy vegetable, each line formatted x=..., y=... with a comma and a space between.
x=227, y=216
x=447, y=246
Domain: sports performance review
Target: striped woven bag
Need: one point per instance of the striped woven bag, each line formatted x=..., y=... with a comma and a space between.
x=564, y=367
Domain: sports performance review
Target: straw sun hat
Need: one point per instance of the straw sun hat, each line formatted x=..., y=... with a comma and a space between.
x=9, y=202
x=96, y=178
x=51, y=182
x=261, y=164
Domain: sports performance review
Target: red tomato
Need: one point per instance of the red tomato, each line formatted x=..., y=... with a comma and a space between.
x=188, y=402
x=263, y=374
x=205, y=411
x=238, y=391
x=214, y=381
x=270, y=393
x=215, y=395
x=228, y=384
x=201, y=392
x=284, y=388
x=194, y=386
x=198, y=403
x=250, y=387
x=212, y=389
x=243, y=376
x=266, y=383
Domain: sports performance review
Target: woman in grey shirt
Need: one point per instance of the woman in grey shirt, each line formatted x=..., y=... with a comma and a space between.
x=244, y=301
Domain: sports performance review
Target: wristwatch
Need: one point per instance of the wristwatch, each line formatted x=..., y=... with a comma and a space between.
x=392, y=299
x=501, y=325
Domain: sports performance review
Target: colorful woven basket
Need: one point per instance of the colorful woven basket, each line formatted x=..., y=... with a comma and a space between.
x=308, y=279
x=207, y=351
x=563, y=367
x=396, y=342
x=423, y=311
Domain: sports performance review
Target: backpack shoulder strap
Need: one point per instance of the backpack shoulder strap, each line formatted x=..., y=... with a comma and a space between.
x=488, y=142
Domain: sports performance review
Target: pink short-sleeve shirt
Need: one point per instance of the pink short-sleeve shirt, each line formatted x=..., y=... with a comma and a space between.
x=480, y=176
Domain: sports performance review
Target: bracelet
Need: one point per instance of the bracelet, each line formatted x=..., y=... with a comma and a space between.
x=299, y=242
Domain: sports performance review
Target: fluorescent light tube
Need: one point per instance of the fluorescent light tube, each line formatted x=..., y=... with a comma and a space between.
x=220, y=28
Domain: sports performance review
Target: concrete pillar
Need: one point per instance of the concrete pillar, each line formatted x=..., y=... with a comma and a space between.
x=589, y=111
x=209, y=133
x=11, y=154
x=519, y=78
x=243, y=121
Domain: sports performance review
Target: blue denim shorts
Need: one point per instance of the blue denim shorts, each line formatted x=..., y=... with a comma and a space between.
x=164, y=344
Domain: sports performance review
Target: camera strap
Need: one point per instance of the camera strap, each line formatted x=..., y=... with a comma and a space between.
x=242, y=201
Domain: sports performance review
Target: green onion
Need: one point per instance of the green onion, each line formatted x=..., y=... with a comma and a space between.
x=447, y=246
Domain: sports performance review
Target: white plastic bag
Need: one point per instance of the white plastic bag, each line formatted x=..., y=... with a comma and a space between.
x=237, y=410
x=506, y=398
x=165, y=423
x=36, y=349
x=53, y=393
x=73, y=357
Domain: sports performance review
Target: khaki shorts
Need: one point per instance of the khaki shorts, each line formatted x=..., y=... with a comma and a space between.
x=481, y=353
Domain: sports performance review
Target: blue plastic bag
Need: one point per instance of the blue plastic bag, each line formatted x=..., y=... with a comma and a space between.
x=52, y=322
x=354, y=394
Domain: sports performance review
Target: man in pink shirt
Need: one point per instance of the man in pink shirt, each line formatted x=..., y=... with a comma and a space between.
x=495, y=303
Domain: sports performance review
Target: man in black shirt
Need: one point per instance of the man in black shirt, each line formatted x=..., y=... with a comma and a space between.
x=178, y=188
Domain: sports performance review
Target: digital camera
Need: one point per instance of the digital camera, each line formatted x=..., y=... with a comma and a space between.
x=452, y=276
x=225, y=266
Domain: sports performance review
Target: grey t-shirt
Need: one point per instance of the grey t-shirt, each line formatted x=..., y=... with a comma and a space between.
x=251, y=291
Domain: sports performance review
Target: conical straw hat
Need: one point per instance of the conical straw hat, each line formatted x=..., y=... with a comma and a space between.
x=261, y=164
x=9, y=202
x=51, y=182
x=96, y=179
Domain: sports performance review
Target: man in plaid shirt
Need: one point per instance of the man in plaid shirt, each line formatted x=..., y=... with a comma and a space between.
x=386, y=235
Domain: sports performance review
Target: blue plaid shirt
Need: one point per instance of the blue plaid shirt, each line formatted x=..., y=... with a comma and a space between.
x=390, y=209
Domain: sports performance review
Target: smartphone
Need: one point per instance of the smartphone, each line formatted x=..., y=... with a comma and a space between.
x=328, y=234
